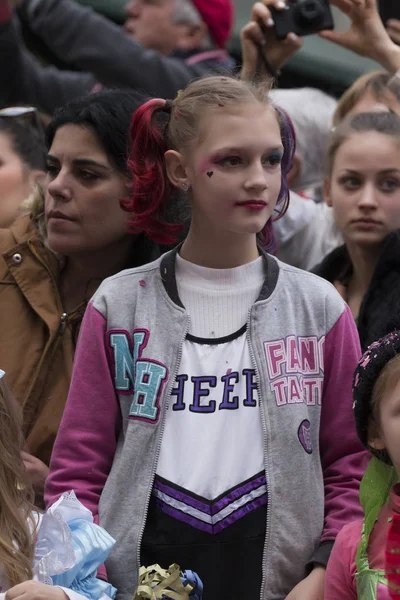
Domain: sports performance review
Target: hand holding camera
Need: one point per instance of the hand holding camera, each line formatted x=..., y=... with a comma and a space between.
x=367, y=35
x=275, y=29
x=259, y=36
x=302, y=17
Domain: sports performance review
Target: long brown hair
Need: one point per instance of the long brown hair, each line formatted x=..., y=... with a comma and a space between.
x=17, y=522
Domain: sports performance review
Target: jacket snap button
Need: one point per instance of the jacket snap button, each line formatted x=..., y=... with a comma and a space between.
x=17, y=259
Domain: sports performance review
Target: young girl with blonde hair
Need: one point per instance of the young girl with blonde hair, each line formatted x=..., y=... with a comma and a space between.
x=52, y=555
x=209, y=416
x=16, y=497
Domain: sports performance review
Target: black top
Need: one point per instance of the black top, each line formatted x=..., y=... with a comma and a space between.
x=381, y=303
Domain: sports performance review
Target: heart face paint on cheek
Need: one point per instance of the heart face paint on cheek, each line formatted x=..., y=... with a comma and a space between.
x=206, y=166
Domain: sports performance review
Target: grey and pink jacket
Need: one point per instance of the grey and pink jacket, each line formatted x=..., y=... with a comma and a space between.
x=304, y=345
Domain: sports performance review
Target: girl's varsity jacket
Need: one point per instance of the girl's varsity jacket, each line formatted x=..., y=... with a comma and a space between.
x=304, y=347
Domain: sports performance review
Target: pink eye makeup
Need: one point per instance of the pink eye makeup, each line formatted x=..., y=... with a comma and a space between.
x=220, y=160
x=217, y=158
x=206, y=165
x=231, y=158
x=211, y=161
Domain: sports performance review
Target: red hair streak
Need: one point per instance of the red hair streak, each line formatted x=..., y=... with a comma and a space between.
x=151, y=187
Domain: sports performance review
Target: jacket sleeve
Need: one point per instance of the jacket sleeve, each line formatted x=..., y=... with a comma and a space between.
x=90, y=42
x=343, y=458
x=84, y=449
x=24, y=80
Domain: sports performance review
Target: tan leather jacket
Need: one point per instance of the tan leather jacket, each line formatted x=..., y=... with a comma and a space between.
x=37, y=337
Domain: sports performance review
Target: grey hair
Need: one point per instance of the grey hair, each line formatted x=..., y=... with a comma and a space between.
x=186, y=12
x=311, y=112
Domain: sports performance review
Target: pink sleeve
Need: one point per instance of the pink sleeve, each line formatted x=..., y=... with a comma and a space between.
x=340, y=582
x=84, y=449
x=343, y=458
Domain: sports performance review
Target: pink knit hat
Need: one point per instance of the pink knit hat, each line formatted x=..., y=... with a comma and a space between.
x=218, y=15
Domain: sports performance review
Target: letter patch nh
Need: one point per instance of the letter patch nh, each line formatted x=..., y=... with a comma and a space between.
x=142, y=377
x=149, y=380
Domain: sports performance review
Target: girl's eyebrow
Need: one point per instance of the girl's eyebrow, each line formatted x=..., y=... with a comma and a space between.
x=52, y=158
x=233, y=149
x=390, y=170
x=81, y=162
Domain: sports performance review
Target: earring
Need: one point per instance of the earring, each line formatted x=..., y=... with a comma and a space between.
x=184, y=187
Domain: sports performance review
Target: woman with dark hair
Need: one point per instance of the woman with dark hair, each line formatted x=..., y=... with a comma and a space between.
x=53, y=259
x=22, y=159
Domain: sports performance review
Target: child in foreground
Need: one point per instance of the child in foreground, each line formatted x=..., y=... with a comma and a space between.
x=209, y=415
x=53, y=555
x=356, y=569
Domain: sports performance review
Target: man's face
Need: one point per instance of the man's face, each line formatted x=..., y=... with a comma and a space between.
x=149, y=22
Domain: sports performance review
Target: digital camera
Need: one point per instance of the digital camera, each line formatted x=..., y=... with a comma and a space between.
x=302, y=17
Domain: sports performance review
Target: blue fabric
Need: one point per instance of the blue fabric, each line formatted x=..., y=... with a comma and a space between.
x=192, y=578
x=91, y=545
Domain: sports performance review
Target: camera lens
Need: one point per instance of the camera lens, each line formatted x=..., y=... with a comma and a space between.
x=309, y=12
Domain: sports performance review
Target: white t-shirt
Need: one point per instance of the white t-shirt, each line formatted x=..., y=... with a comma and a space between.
x=208, y=509
x=205, y=451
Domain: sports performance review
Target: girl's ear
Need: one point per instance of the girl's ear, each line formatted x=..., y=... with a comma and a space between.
x=176, y=170
x=327, y=191
x=377, y=443
x=375, y=439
